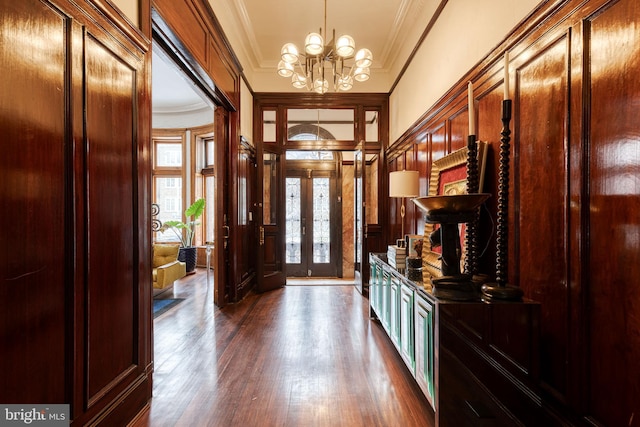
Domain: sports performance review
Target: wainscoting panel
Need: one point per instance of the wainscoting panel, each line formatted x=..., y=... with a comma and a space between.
x=540, y=205
x=76, y=282
x=612, y=279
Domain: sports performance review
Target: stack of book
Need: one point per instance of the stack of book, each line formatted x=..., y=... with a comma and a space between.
x=396, y=256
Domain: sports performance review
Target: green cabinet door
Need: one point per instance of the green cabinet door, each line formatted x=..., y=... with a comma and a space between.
x=424, y=372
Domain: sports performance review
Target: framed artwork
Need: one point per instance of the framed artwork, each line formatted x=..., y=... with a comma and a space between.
x=448, y=176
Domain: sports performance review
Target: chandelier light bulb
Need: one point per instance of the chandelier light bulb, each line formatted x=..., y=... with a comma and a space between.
x=345, y=46
x=289, y=53
x=314, y=44
x=285, y=69
x=364, y=58
x=361, y=74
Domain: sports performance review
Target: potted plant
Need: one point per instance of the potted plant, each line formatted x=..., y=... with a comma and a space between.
x=185, y=233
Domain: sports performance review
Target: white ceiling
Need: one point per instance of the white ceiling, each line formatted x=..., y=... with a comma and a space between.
x=257, y=29
x=171, y=90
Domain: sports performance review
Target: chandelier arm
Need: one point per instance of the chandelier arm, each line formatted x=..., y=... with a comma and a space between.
x=301, y=67
x=350, y=73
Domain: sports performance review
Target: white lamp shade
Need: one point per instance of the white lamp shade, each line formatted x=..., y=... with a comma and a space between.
x=285, y=69
x=361, y=74
x=345, y=83
x=314, y=44
x=404, y=184
x=321, y=86
x=364, y=58
x=345, y=46
x=298, y=81
x=289, y=53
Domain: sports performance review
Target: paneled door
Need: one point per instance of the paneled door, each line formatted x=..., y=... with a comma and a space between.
x=270, y=266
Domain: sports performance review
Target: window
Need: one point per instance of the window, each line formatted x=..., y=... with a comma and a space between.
x=168, y=179
x=309, y=155
x=206, y=180
x=320, y=124
x=169, y=155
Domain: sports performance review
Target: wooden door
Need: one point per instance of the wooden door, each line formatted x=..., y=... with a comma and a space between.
x=221, y=234
x=360, y=219
x=271, y=268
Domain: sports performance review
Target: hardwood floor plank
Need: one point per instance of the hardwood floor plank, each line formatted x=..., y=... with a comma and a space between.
x=297, y=356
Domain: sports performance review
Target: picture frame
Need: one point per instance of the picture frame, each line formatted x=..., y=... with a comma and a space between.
x=449, y=176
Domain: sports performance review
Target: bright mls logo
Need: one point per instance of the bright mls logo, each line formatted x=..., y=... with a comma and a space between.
x=39, y=415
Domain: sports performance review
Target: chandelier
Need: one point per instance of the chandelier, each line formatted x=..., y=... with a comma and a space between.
x=311, y=69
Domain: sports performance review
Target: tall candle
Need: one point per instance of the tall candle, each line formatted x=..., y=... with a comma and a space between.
x=506, y=75
x=472, y=113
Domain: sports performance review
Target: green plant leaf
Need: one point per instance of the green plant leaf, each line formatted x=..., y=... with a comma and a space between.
x=196, y=209
x=186, y=237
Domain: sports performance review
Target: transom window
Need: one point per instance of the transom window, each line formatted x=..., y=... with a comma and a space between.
x=309, y=155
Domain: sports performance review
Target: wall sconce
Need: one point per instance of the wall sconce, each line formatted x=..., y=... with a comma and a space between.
x=404, y=184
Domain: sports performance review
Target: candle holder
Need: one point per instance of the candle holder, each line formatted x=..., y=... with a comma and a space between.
x=449, y=211
x=501, y=290
x=473, y=183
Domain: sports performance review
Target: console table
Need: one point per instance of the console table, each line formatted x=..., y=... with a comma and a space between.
x=477, y=362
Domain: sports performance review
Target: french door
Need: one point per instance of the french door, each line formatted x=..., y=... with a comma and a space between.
x=312, y=225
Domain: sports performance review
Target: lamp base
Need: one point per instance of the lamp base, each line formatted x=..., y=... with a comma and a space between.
x=495, y=291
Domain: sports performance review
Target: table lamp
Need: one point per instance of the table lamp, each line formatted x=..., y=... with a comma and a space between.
x=403, y=184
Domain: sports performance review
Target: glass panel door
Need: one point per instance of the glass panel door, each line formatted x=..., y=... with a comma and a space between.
x=310, y=230
x=294, y=227
x=321, y=221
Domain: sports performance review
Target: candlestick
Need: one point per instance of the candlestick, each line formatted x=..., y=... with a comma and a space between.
x=472, y=113
x=501, y=290
x=506, y=75
x=473, y=184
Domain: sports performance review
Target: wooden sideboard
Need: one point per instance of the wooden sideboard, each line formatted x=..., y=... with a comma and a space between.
x=477, y=362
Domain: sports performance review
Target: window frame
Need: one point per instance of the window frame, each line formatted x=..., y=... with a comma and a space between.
x=169, y=137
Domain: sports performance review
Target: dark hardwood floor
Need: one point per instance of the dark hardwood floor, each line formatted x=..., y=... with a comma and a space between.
x=297, y=356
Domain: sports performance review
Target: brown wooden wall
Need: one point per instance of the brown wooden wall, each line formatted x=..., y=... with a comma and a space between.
x=574, y=227
x=199, y=37
x=75, y=290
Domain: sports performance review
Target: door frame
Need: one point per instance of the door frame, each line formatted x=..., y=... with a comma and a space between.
x=332, y=170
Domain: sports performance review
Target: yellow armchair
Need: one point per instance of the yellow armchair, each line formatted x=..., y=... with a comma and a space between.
x=166, y=267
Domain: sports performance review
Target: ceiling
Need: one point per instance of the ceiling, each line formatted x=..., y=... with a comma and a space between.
x=257, y=29
x=172, y=91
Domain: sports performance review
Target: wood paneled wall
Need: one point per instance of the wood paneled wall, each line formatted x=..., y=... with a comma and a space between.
x=574, y=228
x=75, y=282
x=196, y=33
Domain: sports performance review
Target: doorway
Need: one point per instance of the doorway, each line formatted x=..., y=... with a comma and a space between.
x=313, y=219
x=184, y=166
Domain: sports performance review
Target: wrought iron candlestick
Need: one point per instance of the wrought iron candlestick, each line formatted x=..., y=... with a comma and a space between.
x=500, y=289
x=473, y=183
